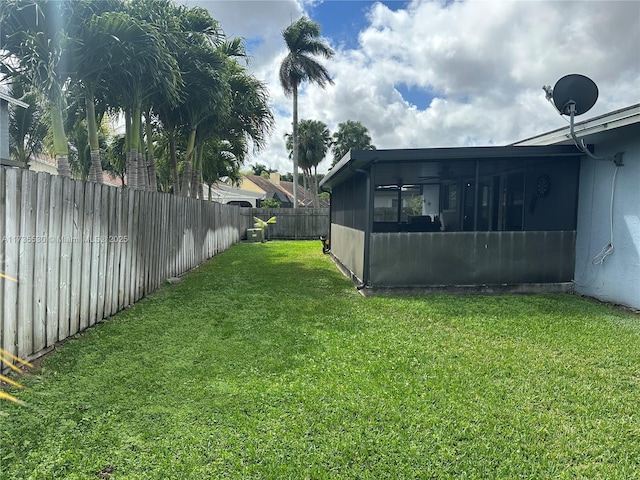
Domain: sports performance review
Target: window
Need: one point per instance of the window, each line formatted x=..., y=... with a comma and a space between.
x=449, y=196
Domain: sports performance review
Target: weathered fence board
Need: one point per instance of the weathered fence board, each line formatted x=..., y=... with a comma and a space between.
x=75, y=234
x=10, y=266
x=39, y=283
x=27, y=228
x=53, y=256
x=3, y=203
x=292, y=224
x=65, y=258
x=82, y=251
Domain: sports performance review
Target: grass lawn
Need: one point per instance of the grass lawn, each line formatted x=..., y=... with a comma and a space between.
x=265, y=363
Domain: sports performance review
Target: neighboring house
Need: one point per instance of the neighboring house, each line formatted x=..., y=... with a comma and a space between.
x=607, y=261
x=222, y=193
x=526, y=217
x=270, y=188
x=5, y=101
x=305, y=197
x=274, y=188
x=47, y=164
x=43, y=163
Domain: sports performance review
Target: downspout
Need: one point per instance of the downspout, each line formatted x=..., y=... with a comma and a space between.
x=368, y=228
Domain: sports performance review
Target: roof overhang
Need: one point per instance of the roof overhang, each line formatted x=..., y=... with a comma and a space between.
x=358, y=160
x=12, y=100
x=609, y=121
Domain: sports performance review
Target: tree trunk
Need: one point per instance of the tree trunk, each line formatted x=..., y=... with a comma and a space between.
x=153, y=174
x=137, y=161
x=131, y=159
x=295, y=146
x=186, y=173
x=64, y=170
x=316, y=200
x=186, y=179
x=174, y=164
x=143, y=172
x=305, y=184
x=153, y=181
x=60, y=140
x=132, y=171
x=197, y=185
x=95, y=172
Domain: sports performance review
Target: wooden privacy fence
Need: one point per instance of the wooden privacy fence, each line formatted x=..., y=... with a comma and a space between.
x=292, y=224
x=73, y=253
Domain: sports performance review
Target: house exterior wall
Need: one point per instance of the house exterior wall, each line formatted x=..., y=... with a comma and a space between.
x=4, y=129
x=41, y=165
x=470, y=258
x=249, y=185
x=347, y=246
x=617, y=278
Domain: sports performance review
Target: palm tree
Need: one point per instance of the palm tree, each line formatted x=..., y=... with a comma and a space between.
x=106, y=38
x=314, y=140
x=196, y=42
x=150, y=73
x=27, y=129
x=206, y=99
x=303, y=41
x=351, y=135
x=35, y=46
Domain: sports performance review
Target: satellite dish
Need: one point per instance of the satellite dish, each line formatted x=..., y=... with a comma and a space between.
x=576, y=90
x=574, y=95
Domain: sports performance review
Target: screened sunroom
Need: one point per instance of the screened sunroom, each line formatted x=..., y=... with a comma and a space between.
x=489, y=217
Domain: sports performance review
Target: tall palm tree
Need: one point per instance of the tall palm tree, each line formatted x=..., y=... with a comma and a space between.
x=150, y=73
x=106, y=38
x=204, y=92
x=314, y=140
x=35, y=45
x=351, y=135
x=304, y=43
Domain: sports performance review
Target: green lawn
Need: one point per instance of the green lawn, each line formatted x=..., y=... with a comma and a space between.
x=265, y=363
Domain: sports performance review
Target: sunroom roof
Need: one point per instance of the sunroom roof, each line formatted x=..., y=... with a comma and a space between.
x=361, y=159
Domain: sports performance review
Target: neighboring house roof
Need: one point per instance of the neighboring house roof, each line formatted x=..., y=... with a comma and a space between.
x=305, y=197
x=5, y=96
x=224, y=193
x=609, y=121
x=283, y=191
x=108, y=179
x=264, y=184
x=47, y=164
x=43, y=163
x=5, y=100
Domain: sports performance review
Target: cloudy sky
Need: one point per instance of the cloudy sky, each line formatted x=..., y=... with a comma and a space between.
x=433, y=74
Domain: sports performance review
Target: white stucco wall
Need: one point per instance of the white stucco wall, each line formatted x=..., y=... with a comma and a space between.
x=617, y=278
x=431, y=200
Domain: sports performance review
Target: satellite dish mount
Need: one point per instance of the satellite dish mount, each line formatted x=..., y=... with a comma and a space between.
x=574, y=95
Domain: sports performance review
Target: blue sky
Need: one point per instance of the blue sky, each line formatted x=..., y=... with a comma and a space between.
x=439, y=73
x=342, y=20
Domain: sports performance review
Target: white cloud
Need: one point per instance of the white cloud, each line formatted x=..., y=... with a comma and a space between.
x=483, y=62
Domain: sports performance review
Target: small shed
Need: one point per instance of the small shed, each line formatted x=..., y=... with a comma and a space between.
x=481, y=218
x=5, y=100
